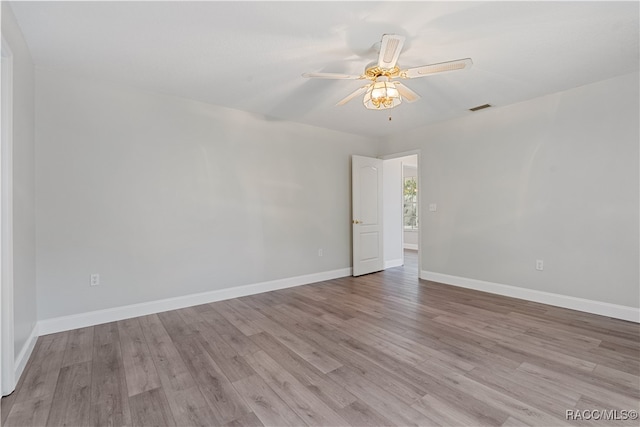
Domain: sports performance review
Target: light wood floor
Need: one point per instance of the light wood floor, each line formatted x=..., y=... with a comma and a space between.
x=383, y=349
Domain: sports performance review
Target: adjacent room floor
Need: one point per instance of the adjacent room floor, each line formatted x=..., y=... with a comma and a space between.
x=382, y=349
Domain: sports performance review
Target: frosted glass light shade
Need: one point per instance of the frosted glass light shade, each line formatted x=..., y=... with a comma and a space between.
x=382, y=95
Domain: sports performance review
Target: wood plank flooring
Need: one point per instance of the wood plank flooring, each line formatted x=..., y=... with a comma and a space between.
x=382, y=349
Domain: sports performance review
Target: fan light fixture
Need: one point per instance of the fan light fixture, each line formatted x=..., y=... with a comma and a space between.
x=382, y=95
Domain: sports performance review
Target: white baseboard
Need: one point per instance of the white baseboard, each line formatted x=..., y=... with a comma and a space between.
x=66, y=323
x=25, y=352
x=393, y=263
x=412, y=246
x=589, y=306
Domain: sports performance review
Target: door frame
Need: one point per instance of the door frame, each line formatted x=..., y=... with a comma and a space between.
x=7, y=351
x=418, y=169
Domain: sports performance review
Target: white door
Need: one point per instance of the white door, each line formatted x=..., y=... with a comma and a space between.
x=7, y=355
x=366, y=206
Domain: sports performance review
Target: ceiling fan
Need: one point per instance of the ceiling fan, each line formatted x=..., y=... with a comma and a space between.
x=383, y=92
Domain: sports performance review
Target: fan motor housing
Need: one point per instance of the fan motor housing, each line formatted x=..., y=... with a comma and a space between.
x=374, y=72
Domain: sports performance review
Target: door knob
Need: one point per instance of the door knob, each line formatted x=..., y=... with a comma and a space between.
x=355, y=221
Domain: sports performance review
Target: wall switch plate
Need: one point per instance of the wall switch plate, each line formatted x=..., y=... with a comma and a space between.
x=95, y=279
x=433, y=207
x=539, y=265
x=320, y=252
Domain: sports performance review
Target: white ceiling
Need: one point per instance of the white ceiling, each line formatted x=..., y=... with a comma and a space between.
x=250, y=55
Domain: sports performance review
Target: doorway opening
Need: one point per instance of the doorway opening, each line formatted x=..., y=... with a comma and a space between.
x=401, y=184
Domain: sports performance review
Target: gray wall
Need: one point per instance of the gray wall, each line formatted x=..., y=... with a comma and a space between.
x=392, y=211
x=166, y=197
x=554, y=178
x=24, y=245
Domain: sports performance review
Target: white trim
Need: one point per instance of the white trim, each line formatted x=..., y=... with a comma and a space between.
x=631, y=314
x=412, y=246
x=91, y=318
x=25, y=352
x=393, y=263
x=7, y=345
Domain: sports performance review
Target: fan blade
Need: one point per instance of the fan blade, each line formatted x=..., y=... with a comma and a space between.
x=442, y=67
x=331, y=76
x=353, y=94
x=406, y=93
x=390, y=49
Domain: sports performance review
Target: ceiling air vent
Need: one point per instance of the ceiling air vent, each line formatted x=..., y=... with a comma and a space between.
x=480, y=107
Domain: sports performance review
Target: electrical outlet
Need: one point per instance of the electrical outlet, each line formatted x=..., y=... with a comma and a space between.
x=95, y=279
x=320, y=252
x=539, y=264
x=433, y=207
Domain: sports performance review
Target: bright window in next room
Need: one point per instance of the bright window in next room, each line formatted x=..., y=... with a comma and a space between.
x=410, y=208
